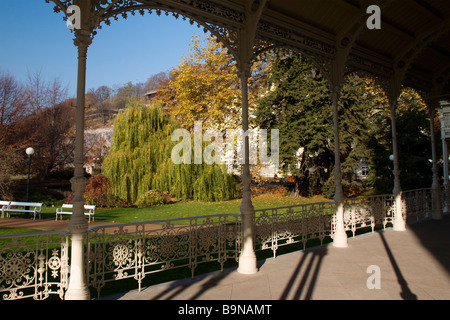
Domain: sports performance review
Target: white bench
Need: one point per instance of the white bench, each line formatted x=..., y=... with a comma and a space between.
x=66, y=208
x=3, y=206
x=14, y=206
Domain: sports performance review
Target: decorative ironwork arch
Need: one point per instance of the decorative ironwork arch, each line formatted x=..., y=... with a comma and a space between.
x=104, y=11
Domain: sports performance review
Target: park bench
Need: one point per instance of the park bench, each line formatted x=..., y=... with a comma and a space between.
x=3, y=206
x=13, y=206
x=67, y=208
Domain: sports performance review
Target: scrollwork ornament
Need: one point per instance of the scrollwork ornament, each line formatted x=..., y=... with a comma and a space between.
x=204, y=13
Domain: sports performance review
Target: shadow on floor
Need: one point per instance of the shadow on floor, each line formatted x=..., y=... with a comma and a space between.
x=434, y=235
x=406, y=293
x=305, y=275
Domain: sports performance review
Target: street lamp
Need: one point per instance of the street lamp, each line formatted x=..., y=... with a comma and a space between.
x=29, y=152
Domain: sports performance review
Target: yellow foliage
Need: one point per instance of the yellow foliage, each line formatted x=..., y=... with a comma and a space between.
x=205, y=87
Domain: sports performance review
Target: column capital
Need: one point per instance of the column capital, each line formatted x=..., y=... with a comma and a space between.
x=244, y=71
x=83, y=39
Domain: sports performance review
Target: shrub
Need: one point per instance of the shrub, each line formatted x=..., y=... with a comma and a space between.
x=150, y=198
x=97, y=191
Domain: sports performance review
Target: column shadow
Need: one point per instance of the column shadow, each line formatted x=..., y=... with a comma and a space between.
x=406, y=292
x=306, y=271
x=434, y=235
x=179, y=287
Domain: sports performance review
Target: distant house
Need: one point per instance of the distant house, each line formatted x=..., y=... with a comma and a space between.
x=150, y=95
x=362, y=171
x=97, y=144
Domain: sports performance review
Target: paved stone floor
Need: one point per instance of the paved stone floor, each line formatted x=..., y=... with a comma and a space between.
x=414, y=264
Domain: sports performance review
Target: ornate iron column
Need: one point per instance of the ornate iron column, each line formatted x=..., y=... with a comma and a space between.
x=78, y=288
x=247, y=259
x=244, y=56
x=435, y=187
x=399, y=222
x=340, y=236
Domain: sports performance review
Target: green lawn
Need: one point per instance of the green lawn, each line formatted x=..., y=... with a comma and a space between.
x=7, y=231
x=184, y=209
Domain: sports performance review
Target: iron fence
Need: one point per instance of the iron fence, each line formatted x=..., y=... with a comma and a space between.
x=137, y=249
x=36, y=265
x=276, y=227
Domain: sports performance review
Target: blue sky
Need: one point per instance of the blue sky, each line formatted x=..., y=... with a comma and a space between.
x=34, y=38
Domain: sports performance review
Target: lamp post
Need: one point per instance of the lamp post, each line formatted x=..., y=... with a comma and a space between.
x=29, y=152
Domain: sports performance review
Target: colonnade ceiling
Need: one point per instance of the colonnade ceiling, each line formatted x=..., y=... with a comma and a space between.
x=413, y=43
x=411, y=46
x=414, y=39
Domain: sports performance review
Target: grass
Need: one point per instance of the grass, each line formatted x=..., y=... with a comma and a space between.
x=8, y=231
x=185, y=209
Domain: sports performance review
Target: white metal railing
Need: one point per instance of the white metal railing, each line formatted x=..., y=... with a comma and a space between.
x=417, y=204
x=135, y=250
x=33, y=265
x=368, y=212
x=281, y=226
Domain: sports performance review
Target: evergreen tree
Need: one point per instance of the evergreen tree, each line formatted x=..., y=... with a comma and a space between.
x=414, y=141
x=357, y=110
x=298, y=104
x=414, y=145
x=140, y=160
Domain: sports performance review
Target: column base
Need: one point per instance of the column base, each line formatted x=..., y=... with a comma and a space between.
x=399, y=226
x=77, y=294
x=247, y=264
x=340, y=241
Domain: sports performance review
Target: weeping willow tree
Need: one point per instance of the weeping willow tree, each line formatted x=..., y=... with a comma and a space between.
x=140, y=160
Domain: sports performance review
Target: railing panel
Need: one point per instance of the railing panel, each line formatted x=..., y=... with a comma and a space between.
x=281, y=226
x=370, y=211
x=137, y=249
x=417, y=204
x=33, y=265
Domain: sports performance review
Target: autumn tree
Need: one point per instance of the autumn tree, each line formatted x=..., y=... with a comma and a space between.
x=46, y=124
x=205, y=87
x=157, y=80
x=51, y=133
x=12, y=104
x=9, y=159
